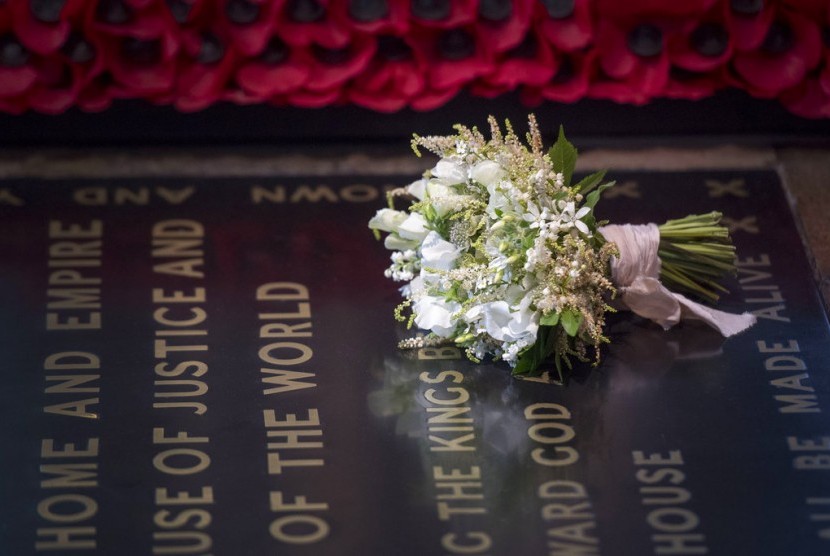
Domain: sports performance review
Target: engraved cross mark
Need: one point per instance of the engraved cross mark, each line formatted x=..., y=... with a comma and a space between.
x=734, y=187
x=748, y=224
x=630, y=189
x=9, y=198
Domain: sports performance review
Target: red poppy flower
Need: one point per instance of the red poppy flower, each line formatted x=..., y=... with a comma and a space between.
x=570, y=83
x=393, y=78
x=206, y=64
x=748, y=22
x=17, y=69
x=315, y=99
x=443, y=14
x=634, y=60
x=454, y=57
x=63, y=76
x=638, y=9
x=248, y=24
x=791, y=48
x=43, y=26
x=503, y=24
x=139, y=46
x=810, y=99
x=333, y=67
x=430, y=99
x=566, y=24
x=702, y=44
x=306, y=22
x=531, y=63
x=372, y=16
x=692, y=85
x=56, y=89
x=96, y=96
x=280, y=69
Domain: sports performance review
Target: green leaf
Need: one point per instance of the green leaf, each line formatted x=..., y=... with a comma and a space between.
x=588, y=183
x=550, y=320
x=570, y=321
x=530, y=360
x=593, y=196
x=563, y=155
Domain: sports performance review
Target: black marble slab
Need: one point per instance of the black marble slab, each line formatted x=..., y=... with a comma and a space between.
x=208, y=366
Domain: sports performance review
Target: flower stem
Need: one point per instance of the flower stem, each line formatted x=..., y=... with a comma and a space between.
x=696, y=252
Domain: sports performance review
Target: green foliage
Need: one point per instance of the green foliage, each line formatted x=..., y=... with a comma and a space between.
x=563, y=156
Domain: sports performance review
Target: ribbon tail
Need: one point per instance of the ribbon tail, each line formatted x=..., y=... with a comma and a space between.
x=648, y=298
x=728, y=324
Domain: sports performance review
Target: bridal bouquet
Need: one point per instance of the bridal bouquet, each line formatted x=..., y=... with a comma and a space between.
x=502, y=255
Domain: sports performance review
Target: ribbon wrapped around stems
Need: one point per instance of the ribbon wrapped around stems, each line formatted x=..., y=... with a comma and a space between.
x=636, y=274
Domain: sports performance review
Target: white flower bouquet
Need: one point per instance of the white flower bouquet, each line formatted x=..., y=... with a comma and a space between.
x=502, y=254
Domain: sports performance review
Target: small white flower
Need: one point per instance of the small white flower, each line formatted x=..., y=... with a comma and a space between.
x=570, y=217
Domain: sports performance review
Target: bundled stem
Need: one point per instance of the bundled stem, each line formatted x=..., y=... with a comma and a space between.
x=696, y=253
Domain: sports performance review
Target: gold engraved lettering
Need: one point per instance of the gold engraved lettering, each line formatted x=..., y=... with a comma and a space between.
x=551, y=434
x=75, y=302
x=675, y=526
x=67, y=467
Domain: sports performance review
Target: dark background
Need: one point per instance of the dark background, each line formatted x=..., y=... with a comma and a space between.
x=729, y=116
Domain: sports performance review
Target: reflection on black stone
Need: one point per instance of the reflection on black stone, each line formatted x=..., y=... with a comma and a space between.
x=12, y=53
x=242, y=12
x=710, y=39
x=276, y=52
x=432, y=10
x=78, y=49
x=179, y=9
x=366, y=11
x=747, y=7
x=559, y=9
x=642, y=351
x=212, y=50
x=779, y=39
x=141, y=52
x=114, y=12
x=645, y=40
x=305, y=11
x=456, y=44
x=495, y=10
x=46, y=11
x=393, y=49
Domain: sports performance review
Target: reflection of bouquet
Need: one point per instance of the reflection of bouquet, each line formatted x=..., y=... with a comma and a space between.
x=503, y=256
